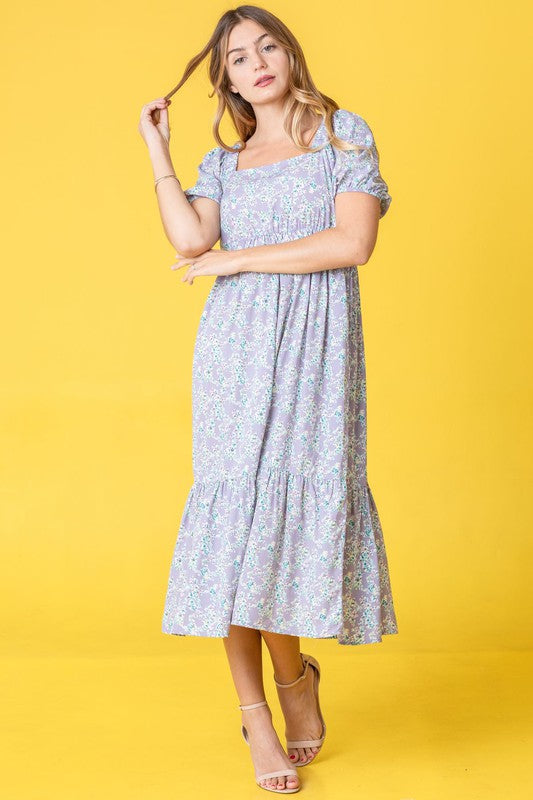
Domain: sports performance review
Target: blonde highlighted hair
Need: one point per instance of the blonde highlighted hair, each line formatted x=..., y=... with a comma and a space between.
x=302, y=96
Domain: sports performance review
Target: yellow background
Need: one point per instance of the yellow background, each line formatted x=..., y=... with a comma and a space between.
x=98, y=335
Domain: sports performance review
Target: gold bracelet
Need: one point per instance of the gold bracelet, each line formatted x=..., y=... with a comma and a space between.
x=162, y=178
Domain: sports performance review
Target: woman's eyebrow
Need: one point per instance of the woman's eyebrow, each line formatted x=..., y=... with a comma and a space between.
x=244, y=48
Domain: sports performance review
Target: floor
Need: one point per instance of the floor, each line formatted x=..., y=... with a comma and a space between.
x=401, y=726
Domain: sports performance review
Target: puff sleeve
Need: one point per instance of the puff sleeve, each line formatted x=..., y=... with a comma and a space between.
x=208, y=183
x=358, y=171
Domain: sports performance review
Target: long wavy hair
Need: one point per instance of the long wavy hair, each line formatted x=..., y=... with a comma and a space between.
x=302, y=95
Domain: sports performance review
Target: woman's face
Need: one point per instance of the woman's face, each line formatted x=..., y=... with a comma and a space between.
x=252, y=53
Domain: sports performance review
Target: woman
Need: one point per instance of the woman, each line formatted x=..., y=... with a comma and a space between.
x=280, y=535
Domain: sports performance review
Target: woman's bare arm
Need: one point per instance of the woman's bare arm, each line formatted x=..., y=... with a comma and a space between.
x=349, y=243
x=189, y=230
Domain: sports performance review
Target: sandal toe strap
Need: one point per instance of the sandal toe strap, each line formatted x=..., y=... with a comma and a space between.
x=306, y=743
x=279, y=773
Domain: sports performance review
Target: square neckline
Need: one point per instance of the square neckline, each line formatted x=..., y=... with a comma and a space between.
x=275, y=163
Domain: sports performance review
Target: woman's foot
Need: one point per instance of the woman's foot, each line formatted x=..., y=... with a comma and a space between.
x=267, y=752
x=302, y=721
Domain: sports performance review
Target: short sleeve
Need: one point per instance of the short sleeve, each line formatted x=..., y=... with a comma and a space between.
x=358, y=171
x=208, y=183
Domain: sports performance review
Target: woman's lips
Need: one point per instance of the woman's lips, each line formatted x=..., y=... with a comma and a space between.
x=265, y=82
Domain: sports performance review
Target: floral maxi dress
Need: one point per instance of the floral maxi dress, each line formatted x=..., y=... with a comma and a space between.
x=280, y=530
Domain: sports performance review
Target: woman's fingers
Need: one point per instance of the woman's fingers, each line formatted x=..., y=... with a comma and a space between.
x=163, y=116
x=156, y=103
x=154, y=116
x=160, y=103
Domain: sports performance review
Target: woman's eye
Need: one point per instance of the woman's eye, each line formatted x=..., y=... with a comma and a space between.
x=241, y=57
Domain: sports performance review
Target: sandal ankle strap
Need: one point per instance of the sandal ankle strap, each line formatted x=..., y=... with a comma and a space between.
x=292, y=683
x=253, y=705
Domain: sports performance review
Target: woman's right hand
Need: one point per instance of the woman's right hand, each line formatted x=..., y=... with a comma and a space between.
x=153, y=124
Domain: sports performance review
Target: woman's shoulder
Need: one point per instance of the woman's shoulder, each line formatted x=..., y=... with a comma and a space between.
x=217, y=157
x=212, y=158
x=352, y=127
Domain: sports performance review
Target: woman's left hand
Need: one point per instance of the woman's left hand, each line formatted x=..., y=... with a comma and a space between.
x=212, y=262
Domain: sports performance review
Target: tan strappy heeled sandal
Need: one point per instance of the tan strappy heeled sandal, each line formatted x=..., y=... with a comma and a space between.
x=285, y=772
x=306, y=661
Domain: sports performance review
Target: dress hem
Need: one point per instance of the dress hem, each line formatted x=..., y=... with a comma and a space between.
x=368, y=640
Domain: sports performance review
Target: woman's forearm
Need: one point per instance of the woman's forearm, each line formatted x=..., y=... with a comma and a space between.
x=328, y=249
x=180, y=221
